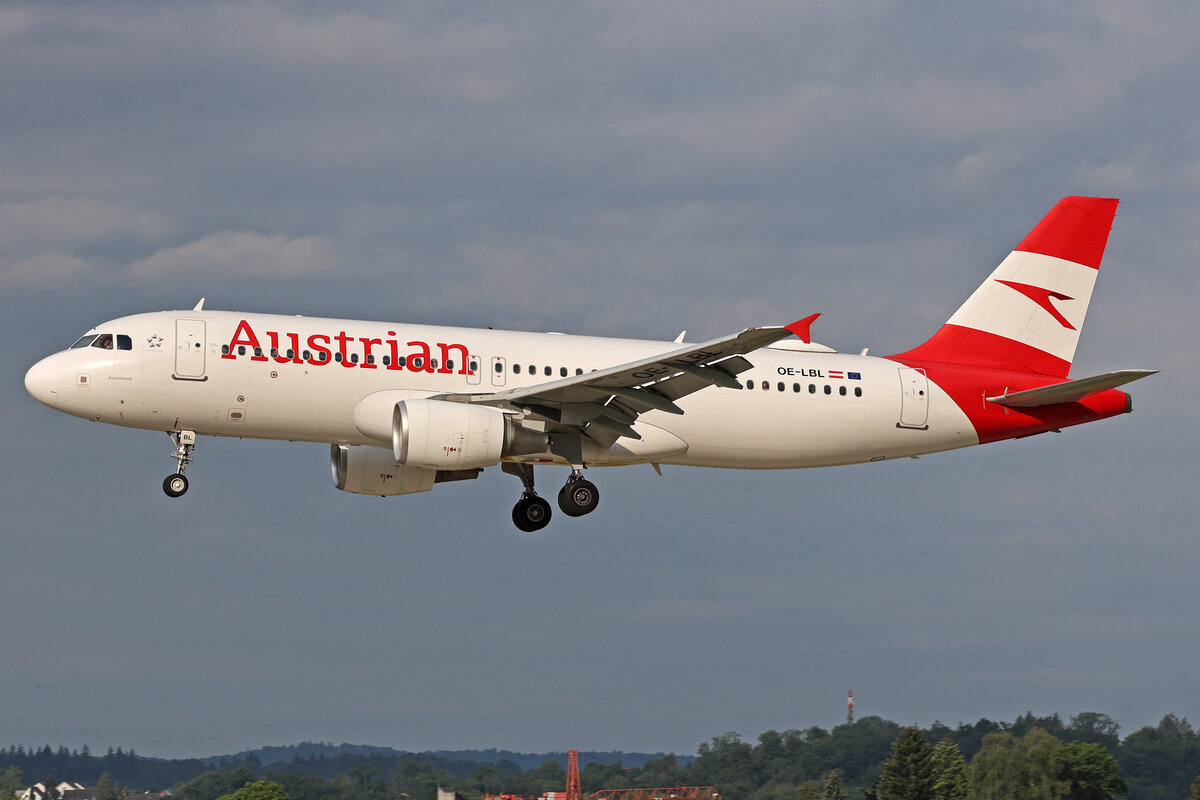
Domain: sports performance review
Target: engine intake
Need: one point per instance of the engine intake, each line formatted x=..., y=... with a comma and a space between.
x=438, y=434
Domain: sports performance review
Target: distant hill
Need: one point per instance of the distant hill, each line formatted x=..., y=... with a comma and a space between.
x=526, y=761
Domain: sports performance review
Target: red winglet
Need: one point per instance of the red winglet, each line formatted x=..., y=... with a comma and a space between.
x=801, y=328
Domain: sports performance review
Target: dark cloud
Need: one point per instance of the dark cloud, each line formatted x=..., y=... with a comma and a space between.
x=615, y=169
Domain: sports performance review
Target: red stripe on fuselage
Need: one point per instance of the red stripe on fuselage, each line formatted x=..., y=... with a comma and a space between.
x=954, y=345
x=1076, y=229
x=970, y=386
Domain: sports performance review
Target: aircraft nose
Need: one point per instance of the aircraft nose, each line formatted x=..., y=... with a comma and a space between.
x=41, y=381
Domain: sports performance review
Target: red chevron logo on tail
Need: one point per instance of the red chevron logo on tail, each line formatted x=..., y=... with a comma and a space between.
x=1042, y=297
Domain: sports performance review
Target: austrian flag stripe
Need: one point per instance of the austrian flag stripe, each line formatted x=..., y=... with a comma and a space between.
x=837, y=373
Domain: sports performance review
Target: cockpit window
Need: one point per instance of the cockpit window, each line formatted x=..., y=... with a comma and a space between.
x=104, y=341
x=124, y=342
x=84, y=341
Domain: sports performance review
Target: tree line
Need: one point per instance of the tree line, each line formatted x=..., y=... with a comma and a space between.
x=1039, y=758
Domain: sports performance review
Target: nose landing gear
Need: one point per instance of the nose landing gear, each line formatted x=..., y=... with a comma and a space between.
x=185, y=441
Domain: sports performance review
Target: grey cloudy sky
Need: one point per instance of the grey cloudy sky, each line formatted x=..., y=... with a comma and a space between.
x=623, y=168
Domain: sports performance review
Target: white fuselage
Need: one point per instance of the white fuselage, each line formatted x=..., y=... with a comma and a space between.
x=197, y=370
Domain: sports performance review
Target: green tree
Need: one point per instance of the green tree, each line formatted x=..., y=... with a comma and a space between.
x=1008, y=768
x=1161, y=761
x=727, y=762
x=949, y=772
x=1095, y=728
x=1195, y=795
x=908, y=774
x=211, y=785
x=833, y=788
x=12, y=780
x=106, y=788
x=809, y=790
x=1090, y=772
x=259, y=790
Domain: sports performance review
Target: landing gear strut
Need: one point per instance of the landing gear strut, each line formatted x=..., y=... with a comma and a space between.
x=579, y=496
x=531, y=513
x=185, y=441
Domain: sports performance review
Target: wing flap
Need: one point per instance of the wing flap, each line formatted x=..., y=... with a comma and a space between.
x=604, y=404
x=1070, y=391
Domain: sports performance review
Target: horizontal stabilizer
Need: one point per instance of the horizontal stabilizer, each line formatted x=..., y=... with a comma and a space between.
x=1070, y=391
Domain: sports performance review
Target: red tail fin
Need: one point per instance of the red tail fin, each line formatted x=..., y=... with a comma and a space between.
x=1028, y=314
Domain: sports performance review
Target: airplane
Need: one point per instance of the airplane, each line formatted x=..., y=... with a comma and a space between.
x=405, y=407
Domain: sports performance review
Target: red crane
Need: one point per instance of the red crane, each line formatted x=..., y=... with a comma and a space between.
x=574, y=792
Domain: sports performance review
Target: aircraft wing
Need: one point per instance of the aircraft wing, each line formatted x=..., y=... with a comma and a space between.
x=605, y=403
x=1070, y=391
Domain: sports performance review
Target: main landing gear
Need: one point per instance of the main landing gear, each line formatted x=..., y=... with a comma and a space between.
x=185, y=441
x=579, y=496
x=532, y=513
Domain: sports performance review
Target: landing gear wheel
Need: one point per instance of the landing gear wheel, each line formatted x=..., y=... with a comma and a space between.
x=175, y=485
x=578, y=497
x=531, y=514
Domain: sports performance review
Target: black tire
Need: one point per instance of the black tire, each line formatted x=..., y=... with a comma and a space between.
x=578, y=497
x=175, y=485
x=531, y=514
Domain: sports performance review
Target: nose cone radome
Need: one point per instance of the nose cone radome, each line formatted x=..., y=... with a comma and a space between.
x=42, y=382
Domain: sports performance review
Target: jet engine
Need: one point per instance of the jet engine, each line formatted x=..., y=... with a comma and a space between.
x=441, y=435
x=363, y=469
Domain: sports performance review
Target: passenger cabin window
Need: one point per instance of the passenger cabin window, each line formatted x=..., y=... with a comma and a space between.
x=842, y=391
x=224, y=349
x=516, y=369
x=83, y=341
x=858, y=391
x=562, y=371
x=750, y=384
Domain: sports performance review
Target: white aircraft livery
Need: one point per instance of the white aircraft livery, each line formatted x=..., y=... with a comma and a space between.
x=404, y=407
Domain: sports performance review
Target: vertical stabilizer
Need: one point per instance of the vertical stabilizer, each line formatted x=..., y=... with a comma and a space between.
x=1027, y=315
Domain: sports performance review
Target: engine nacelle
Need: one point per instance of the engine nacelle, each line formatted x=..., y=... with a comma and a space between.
x=363, y=469
x=438, y=434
